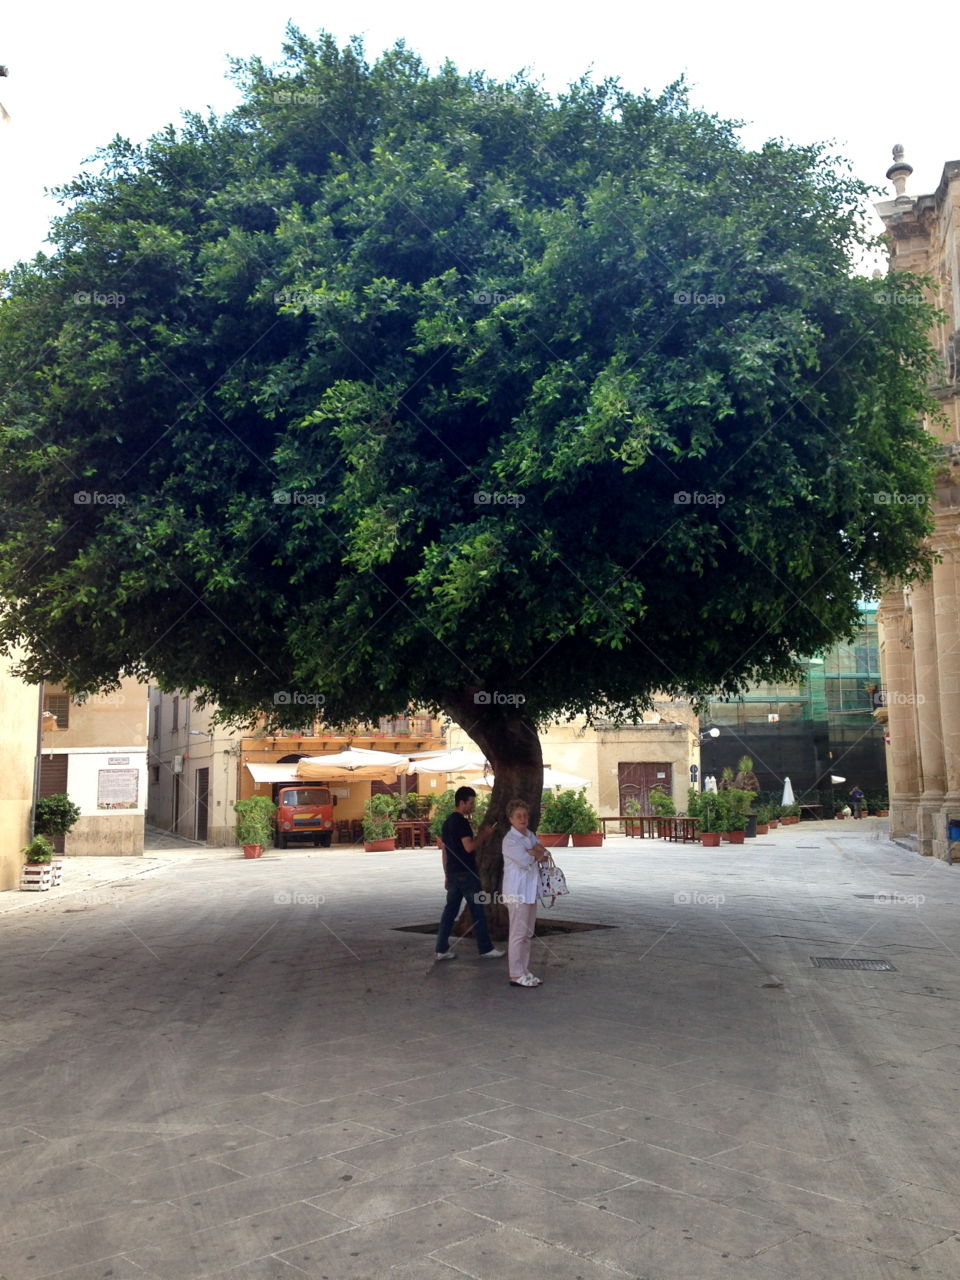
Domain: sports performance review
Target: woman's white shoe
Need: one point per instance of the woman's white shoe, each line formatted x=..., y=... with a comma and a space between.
x=528, y=980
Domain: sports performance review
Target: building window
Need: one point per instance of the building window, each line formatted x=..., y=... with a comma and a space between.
x=176, y=715
x=155, y=772
x=156, y=721
x=53, y=775
x=58, y=704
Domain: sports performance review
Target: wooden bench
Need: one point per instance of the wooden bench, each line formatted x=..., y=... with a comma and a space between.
x=651, y=827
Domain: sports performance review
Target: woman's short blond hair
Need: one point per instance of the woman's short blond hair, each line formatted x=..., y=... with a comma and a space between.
x=514, y=805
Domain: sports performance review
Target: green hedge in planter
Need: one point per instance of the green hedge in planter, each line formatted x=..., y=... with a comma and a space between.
x=255, y=820
x=55, y=815
x=379, y=815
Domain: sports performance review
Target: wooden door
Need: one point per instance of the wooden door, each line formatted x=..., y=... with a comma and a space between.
x=203, y=802
x=638, y=778
x=53, y=782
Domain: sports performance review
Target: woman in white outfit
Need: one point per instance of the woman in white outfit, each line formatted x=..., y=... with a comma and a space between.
x=522, y=851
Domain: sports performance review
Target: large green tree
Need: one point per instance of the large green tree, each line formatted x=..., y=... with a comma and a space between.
x=396, y=388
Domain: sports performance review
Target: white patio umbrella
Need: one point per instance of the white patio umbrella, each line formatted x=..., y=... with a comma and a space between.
x=710, y=783
x=787, y=793
x=459, y=761
x=363, y=766
x=551, y=778
x=557, y=778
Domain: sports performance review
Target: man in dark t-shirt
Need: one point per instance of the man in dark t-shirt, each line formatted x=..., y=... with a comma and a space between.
x=462, y=879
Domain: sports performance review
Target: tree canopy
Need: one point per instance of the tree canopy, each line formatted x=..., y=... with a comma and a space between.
x=398, y=388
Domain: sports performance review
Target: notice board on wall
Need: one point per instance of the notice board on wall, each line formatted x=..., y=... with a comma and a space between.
x=117, y=788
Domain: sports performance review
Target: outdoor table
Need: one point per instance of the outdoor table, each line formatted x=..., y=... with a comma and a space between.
x=412, y=833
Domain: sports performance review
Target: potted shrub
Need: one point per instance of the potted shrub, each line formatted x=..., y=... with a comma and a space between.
x=443, y=806
x=789, y=813
x=585, y=831
x=634, y=810
x=53, y=817
x=736, y=805
x=661, y=803
x=254, y=824
x=555, y=819
x=764, y=814
x=379, y=814
x=746, y=779
x=37, y=875
x=709, y=816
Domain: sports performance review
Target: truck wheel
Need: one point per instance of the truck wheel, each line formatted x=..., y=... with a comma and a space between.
x=326, y=839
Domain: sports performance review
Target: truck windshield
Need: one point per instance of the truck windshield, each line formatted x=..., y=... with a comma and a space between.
x=305, y=795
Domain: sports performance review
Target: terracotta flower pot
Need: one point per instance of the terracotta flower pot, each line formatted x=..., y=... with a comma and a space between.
x=588, y=840
x=380, y=846
x=734, y=837
x=710, y=839
x=553, y=839
x=253, y=850
x=773, y=824
x=763, y=828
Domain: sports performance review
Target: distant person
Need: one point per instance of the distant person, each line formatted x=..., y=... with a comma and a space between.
x=461, y=877
x=856, y=801
x=522, y=853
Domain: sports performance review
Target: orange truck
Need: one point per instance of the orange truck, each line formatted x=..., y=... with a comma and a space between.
x=304, y=812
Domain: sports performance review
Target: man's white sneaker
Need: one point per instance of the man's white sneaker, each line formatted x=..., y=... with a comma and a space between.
x=493, y=954
x=446, y=955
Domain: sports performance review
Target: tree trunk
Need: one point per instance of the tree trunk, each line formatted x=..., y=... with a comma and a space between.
x=509, y=740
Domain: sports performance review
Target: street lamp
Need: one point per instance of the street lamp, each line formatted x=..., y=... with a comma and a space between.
x=709, y=733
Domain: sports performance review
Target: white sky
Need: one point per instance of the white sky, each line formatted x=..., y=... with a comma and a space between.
x=861, y=76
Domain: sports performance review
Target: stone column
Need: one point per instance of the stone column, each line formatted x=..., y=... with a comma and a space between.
x=929, y=728
x=903, y=756
x=946, y=597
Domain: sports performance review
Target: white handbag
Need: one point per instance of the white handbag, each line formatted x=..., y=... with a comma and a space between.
x=553, y=883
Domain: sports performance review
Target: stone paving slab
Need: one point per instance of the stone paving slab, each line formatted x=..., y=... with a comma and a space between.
x=214, y=1066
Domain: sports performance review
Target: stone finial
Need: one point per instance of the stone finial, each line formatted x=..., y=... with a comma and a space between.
x=899, y=172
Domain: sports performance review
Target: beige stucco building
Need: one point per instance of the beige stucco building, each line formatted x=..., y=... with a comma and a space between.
x=623, y=763
x=19, y=733
x=198, y=769
x=95, y=751
x=920, y=624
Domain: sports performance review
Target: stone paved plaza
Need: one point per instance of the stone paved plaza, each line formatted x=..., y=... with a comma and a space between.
x=219, y=1067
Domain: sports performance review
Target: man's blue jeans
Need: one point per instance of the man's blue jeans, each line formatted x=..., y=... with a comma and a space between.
x=463, y=885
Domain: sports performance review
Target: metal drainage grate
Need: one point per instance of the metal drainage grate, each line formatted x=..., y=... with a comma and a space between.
x=845, y=962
